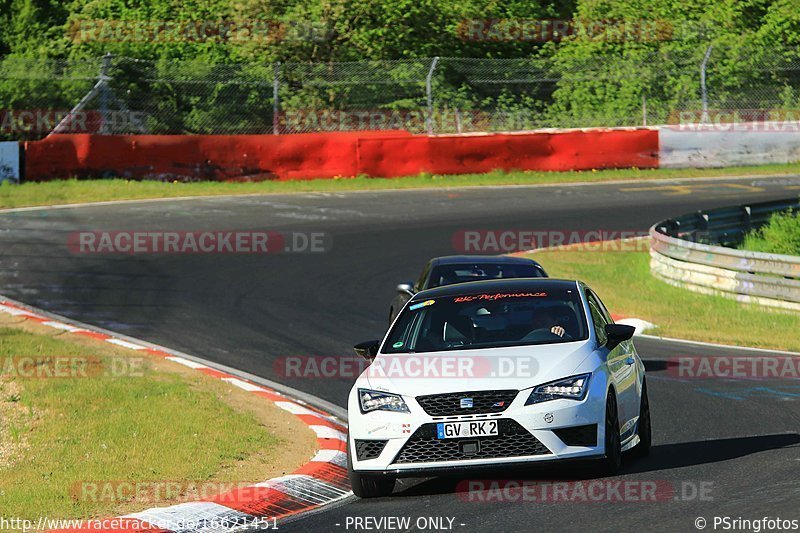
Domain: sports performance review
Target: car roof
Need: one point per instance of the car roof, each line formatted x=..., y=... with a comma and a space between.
x=484, y=259
x=507, y=284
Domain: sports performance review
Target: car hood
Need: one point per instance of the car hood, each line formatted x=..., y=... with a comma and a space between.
x=517, y=367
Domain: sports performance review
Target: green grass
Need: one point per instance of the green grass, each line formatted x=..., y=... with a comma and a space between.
x=149, y=426
x=78, y=191
x=781, y=235
x=624, y=282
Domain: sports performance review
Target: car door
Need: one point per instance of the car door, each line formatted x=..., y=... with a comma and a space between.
x=621, y=365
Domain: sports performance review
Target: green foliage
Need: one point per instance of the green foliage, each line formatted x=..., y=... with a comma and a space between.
x=311, y=30
x=753, y=42
x=599, y=77
x=781, y=235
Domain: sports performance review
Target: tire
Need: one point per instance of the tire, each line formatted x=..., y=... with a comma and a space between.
x=643, y=428
x=612, y=461
x=369, y=486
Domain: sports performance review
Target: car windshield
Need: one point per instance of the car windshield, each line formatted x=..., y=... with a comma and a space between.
x=488, y=320
x=450, y=274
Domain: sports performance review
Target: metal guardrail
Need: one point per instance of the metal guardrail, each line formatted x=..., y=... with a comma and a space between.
x=694, y=251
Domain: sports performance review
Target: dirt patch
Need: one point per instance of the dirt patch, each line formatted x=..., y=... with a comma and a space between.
x=16, y=421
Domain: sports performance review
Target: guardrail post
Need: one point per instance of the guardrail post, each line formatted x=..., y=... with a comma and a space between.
x=748, y=221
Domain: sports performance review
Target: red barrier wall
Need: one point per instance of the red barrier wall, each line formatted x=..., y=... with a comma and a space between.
x=325, y=155
x=572, y=150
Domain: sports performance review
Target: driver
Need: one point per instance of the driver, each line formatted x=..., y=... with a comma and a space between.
x=544, y=320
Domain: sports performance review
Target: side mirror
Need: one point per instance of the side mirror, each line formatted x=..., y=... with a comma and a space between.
x=405, y=288
x=617, y=333
x=367, y=349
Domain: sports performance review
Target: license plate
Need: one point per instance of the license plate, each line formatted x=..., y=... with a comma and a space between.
x=456, y=430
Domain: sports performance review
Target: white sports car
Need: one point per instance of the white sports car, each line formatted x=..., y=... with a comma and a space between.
x=495, y=373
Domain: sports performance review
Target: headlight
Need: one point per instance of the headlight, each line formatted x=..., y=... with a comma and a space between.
x=572, y=388
x=372, y=400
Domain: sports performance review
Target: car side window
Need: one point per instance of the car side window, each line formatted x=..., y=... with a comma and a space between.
x=599, y=321
x=602, y=307
x=420, y=284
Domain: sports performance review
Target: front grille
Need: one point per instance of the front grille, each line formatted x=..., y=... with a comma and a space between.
x=513, y=441
x=369, y=449
x=483, y=402
x=578, y=435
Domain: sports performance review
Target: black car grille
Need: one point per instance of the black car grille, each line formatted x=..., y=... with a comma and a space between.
x=483, y=402
x=369, y=449
x=578, y=435
x=513, y=441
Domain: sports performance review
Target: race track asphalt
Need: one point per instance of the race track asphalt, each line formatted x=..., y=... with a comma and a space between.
x=721, y=447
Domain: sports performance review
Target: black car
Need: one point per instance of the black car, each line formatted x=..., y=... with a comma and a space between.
x=452, y=269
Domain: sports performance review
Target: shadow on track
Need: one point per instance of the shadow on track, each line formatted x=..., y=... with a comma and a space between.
x=683, y=454
x=663, y=457
x=659, y=365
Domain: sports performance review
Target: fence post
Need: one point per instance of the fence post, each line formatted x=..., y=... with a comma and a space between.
x=104, y=78
x=99, y=88
x=703, y=88
x=276, y=107
x=644, y=109
x=429, y=94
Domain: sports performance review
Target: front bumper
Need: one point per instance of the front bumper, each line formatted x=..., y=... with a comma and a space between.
x=528, y=434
